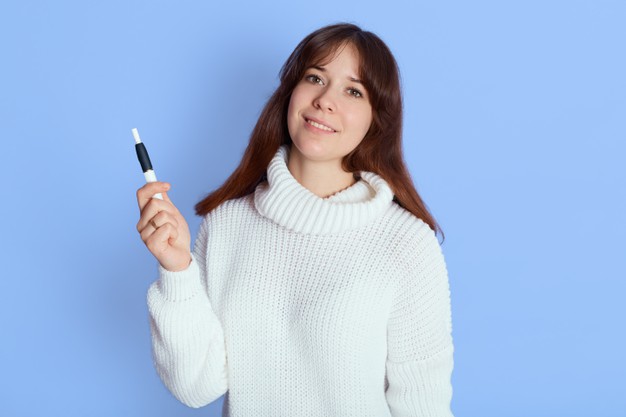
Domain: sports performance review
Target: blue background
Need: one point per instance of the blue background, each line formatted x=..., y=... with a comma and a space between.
x=514, y=134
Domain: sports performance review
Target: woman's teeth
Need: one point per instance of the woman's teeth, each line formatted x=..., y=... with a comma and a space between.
x=319, y=126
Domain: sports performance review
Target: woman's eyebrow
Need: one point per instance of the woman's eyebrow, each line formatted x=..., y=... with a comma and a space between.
x=322, y=69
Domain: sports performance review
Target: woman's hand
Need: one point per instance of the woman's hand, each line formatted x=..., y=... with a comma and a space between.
x=162, y=228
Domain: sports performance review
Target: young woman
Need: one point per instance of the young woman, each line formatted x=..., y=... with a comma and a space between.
x=316, y=285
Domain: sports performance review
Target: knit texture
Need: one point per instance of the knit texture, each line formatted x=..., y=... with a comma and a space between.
x=297, y=305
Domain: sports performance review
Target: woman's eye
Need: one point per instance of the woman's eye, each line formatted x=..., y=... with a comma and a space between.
x=354, y=92
x=314, y=79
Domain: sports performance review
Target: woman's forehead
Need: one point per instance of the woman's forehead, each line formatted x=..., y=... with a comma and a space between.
x=326, y=55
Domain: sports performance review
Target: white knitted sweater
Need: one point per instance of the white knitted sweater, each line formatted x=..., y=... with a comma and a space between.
x=297, y=305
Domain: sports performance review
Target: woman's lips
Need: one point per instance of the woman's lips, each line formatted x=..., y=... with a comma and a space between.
x=319, y=125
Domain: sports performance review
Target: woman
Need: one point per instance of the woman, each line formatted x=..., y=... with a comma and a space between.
x=316, y=285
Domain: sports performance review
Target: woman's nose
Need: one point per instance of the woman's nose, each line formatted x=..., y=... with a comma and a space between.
x=325, y=101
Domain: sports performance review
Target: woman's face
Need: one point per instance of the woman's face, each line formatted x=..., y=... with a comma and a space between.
x=329, y=112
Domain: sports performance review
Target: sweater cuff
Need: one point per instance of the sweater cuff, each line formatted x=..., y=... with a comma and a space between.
x=180, y=285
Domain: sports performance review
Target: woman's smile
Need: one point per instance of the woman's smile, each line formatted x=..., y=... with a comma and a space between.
x=318, y=125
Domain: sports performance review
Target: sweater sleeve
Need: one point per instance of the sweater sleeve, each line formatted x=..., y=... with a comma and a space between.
x=419, y=334
x=187, y=337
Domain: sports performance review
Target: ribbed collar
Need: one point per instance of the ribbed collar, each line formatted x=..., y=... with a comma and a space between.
x=284, y=200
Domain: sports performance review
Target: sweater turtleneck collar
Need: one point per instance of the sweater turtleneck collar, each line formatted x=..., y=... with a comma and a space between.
x=284, y=200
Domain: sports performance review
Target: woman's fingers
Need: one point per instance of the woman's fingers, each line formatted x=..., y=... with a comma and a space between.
x=161, y=239
x=145, y=193
x=156, y=213
x=153, y=225
x=155, y=207
x=163, y=217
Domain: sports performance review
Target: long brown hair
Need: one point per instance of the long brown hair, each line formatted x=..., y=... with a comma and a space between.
x=379, y=152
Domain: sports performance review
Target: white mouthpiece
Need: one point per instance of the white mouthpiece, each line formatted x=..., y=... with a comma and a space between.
x=136, y=136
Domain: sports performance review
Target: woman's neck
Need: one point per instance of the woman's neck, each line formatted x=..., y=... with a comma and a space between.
x=322, y=178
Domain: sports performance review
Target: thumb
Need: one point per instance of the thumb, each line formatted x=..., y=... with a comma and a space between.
x=164, y=193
